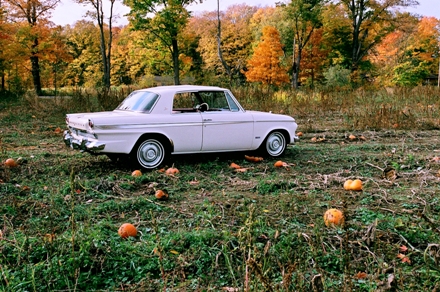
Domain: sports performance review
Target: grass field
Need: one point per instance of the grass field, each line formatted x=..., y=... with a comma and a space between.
x=222, y=230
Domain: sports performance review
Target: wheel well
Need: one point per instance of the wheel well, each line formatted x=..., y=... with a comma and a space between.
x=282, y=131
x=162, y=138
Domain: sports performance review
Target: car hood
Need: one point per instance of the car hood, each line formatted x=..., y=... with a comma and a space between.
x=263, y=116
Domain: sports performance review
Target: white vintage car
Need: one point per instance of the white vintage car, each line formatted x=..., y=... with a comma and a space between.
x=152, y=124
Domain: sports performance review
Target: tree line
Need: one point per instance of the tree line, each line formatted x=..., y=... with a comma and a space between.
x=297, y=42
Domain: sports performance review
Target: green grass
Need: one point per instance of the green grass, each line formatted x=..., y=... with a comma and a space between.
x=261, y=230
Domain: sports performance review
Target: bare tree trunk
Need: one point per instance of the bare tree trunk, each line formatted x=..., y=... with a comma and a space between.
x=35, y=67
x=176, y=66
x=219, y=43
x=294, y=80
x=105, y=48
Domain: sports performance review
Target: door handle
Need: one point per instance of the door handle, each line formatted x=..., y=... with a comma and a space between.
x=207, y=120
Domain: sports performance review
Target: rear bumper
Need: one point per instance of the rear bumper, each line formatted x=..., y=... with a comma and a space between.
x=83, y=145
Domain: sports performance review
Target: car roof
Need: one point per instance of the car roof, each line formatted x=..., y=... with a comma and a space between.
x=169, y=88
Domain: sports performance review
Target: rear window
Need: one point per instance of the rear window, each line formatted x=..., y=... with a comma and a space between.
x=139, y=101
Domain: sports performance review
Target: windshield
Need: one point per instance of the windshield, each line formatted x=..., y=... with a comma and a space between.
x=140, y=101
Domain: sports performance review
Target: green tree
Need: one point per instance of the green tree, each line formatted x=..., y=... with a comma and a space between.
x=264, y=66
x=83, y=45
x=164, y=19
x=105, y=34
x=302, y=18
x=336, y=36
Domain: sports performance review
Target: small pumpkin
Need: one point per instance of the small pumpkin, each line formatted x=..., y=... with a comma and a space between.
x=333, y=217
x=253, y=158
x=347, y=184
x=10, y=162
x=352, y=137
x=136, y=173
x=356, y=185
x=171, y=171
x=126, y=230
x=234, y=166
x=161, y=195
x=353, y=185
x=299, y=134
x=280, y=163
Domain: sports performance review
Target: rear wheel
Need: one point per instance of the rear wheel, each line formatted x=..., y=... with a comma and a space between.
x=149, y=153
x=275, y=144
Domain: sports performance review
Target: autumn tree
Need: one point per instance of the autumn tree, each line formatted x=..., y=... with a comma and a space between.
x=82, y=41
x=3, y=39
x=390, y=52
x=371, y=21
x=313, y=58
x=264, y=66
x=105, y=33
x=302, y=18
x=418, y=59
x=236, y=39
x=34, y=13
x=57, y=56
x=165, y=20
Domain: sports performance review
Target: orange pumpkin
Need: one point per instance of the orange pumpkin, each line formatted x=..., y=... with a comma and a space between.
x=10, y=162
x=126, y=230
x=161, y=195
x=136, y=173
x=299, y=134
x=353, y=185
x=171, y=171
x=356, y=185
x=352, y=137
x=234, y=166
x=253, y=158
x=347, y=184
x=333, y=217
x=279, y=163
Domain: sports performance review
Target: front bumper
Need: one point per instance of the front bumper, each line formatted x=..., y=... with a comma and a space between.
x=83, y=145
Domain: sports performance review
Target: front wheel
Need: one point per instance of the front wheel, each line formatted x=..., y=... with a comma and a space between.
x=275, y=144
x=148, y=153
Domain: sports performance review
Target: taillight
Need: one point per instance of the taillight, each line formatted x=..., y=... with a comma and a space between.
x=67, y=120
x=91, y=124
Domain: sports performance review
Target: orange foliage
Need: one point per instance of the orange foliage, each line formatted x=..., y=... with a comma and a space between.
x=264, y=66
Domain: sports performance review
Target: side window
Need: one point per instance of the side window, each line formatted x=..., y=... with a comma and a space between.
x=184, y=101
x=233, y=106
x=215, y=99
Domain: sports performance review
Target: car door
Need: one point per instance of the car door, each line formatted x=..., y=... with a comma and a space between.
x=226, y=127
x=185, y=124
